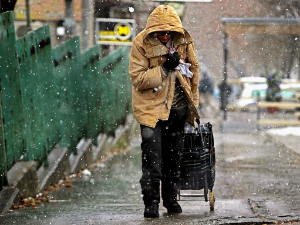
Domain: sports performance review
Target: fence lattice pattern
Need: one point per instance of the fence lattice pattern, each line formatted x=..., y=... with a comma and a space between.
x=55, y=96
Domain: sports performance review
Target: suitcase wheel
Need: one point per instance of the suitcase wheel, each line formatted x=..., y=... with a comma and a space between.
x=211, y=201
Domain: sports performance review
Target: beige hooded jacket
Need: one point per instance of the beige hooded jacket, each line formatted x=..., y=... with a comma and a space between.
x=152, y=92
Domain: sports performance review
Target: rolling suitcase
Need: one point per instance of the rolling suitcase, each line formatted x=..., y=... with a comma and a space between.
x=197, y=162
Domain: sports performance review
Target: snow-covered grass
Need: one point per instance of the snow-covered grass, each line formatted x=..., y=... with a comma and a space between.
x=285, y=131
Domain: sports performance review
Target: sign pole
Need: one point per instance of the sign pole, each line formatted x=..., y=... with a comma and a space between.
x=28, y=16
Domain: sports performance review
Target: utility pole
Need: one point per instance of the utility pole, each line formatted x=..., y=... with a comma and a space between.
x=69, y=23
x=224, y=87
x=85, y=24
x=88, y=23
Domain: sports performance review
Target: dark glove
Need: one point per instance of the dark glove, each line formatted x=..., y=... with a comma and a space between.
x=172, y=61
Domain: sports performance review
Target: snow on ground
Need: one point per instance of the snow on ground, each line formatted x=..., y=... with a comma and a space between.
x=285, y=131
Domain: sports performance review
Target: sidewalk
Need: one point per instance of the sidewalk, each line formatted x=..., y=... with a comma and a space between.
x=246, y=192
x=25, y=180
x=288, y=138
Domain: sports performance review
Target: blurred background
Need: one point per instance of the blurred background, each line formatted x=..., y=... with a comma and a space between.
x=236, y=41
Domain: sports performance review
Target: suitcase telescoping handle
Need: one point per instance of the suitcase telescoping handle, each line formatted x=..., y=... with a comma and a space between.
x=198, y=131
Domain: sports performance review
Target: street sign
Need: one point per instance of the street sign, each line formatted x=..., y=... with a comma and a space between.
x=112, y=31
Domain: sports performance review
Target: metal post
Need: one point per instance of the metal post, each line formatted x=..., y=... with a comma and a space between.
x=3, y=170
x=225, y=46
x=258, y=112
x=28, y=16
x=69, y=9
x=69, y=23
x=224, y=86
x=292, y=54
x=85, y=25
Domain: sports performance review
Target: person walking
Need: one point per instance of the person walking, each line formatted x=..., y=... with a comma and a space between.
x=164, y=73
x=206, y=90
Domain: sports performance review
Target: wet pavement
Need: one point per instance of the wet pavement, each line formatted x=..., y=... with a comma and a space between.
x=257, y=182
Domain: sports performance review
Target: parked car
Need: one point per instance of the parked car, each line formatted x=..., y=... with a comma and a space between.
x=248, y=90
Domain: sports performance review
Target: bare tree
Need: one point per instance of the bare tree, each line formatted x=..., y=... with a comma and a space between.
x=258, y=54
x=284, y=8
x=287, y=9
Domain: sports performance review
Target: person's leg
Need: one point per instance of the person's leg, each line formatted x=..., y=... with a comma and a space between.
x=172, y=144
x=151, y=168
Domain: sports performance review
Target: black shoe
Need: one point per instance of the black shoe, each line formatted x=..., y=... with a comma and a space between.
x=173, y=207
x=151, y=211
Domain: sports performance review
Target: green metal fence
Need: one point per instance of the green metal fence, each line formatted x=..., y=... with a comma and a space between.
x=12, y=121
x=55, y=96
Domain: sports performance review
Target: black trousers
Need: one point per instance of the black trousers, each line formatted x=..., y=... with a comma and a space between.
x=161, y=148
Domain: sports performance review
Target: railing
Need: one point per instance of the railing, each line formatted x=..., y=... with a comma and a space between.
x=55, y=96
x=278, y=122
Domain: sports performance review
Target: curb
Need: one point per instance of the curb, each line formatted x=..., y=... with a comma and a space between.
x=282, y=144
x=23, y=176
x=25, y=180
x=83, y=157
x=57, y=169
x=8, y=197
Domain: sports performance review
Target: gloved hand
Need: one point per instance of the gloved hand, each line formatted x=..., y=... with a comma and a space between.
x=172, y=61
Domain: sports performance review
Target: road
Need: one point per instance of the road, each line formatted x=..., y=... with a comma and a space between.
x=256, y=183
